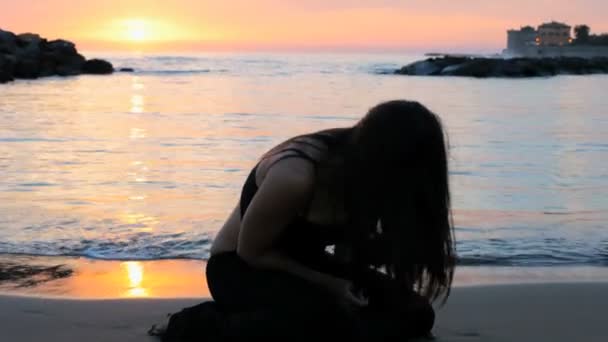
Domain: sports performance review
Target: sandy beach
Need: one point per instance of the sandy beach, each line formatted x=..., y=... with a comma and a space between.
x=526, y=312
x=120, y=300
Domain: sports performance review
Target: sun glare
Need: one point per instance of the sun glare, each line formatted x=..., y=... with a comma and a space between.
x=142, y=32
x=136, y=30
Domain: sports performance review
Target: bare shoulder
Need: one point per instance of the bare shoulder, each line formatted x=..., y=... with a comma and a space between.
x=282, y=194
x=295, y=162
x=294, y=173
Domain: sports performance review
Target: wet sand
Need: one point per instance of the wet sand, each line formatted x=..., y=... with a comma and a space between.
x=120, y=300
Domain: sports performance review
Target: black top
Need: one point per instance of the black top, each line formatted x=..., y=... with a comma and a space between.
x=302, y=240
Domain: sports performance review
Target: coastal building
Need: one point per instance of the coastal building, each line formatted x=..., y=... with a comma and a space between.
x=551, y=39
x=522, y=38
x=554, y=34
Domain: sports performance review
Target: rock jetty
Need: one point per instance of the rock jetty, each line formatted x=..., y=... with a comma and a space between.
x=497, y=67
x=30, y=56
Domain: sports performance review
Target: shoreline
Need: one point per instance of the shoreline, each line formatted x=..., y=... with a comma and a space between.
x=103, y=279
x=121, y=300
x=524, y=312
x=86, y=279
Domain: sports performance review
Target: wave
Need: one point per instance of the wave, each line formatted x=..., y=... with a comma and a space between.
x=178, y=72
x=383, y=71
x=151, y=253
x=21, y=140
x=180, y=246
x=533, y=260
x=136, y=247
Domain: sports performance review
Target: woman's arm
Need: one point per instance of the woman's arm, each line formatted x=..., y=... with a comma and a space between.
x=285, y=191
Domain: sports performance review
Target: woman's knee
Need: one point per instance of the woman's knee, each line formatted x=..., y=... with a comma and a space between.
x=211, y=274
x=224, y=275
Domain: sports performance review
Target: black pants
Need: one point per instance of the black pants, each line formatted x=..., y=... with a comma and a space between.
x=260, y=303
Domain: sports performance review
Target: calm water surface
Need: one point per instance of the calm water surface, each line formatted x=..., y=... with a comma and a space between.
x=148, y=165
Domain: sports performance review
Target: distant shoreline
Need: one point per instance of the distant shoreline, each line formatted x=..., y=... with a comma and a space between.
x=485, y=67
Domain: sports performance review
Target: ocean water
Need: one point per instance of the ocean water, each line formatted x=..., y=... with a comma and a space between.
x=147, y=165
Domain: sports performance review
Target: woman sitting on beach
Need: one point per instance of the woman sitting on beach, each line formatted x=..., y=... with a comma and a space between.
x=345, y=232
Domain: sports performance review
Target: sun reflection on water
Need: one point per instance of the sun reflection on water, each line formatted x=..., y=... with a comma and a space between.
x=137, y=100
x=137, y=133
x=143, y=222
x=137, y=104
x=135, y=274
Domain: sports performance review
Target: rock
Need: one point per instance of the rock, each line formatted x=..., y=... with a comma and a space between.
x=496, y=67
x=600, y=64
x=28, y=68
x=450, y=70
x=5, y=77
x=422, y=68
x=71, y=65
x=28, y=46
x=97, y=67
x=28, y=55
x=59, y=57
x=475, y=68
x=528, y=68
x=7, y=62
x=8, y=42
x=31, y=51
x=549, y=64
x=61, y=47
x=126, y=70
x=573, y=65
x=48, y=68
x=25, y=39
x=7, y=67
x=507, y=68
x=450, y=60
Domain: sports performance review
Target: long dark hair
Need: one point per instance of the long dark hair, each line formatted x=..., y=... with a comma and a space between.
x=394, y=180
x=396, y=187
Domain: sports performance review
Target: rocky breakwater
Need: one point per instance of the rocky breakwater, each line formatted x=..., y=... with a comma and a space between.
x=496, y=67
x=30, y=56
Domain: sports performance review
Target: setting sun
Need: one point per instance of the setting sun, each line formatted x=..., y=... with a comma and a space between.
x=140, y=31
x=136, y=30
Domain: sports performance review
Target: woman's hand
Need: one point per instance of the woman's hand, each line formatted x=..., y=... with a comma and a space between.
x=345, y=292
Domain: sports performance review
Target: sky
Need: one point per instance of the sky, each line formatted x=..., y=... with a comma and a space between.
x=198, y=25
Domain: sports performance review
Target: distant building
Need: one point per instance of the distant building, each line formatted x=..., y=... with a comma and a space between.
x=518, y=40
x=549, y=40
x=554, y=34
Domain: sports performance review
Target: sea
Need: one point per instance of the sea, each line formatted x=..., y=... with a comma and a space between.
x=148, y=165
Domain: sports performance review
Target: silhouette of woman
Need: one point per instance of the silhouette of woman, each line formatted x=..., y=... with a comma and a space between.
x=345, y=232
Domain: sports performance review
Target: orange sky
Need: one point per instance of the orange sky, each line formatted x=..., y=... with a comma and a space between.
x=291, y=24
